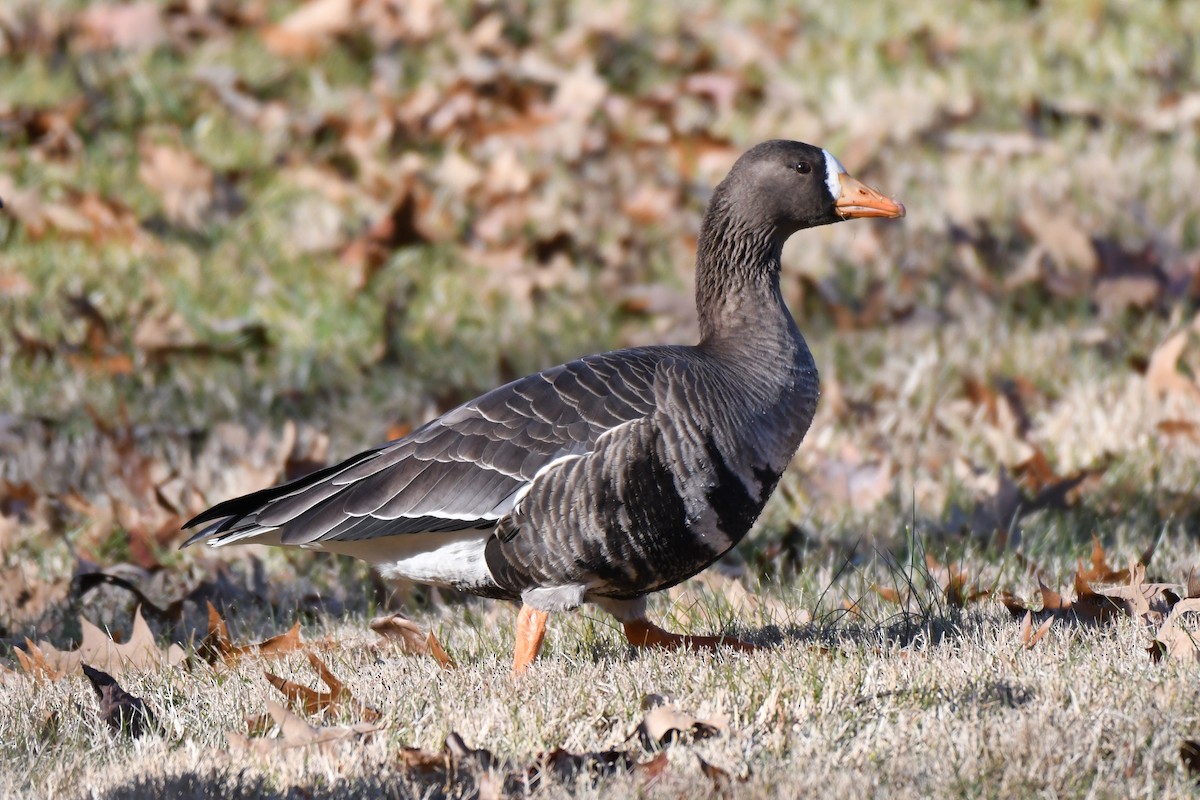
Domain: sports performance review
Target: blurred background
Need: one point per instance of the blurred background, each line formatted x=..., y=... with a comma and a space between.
x=243, y=239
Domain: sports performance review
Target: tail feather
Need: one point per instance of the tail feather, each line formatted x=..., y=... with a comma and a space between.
x=235, y=518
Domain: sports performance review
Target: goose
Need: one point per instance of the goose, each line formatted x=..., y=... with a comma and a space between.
x=610, y=477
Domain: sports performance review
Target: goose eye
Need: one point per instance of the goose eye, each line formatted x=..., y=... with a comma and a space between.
x=802, y=167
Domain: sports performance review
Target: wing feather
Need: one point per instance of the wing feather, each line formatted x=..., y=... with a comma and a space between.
x=463, y=470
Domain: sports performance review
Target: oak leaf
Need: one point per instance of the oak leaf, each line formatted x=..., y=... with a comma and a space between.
x=664, y=723
x=1176, y=639
x=120, y=710
x=1029, y=636
x=1163, y=377
x=292, y=731
x=323, y=703
x=218, y=646
x=412, y=641
x=140, y=653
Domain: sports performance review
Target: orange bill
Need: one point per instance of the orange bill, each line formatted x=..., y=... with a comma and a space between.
x=859, y=200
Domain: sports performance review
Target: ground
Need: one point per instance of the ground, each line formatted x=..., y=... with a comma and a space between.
x=243, y=240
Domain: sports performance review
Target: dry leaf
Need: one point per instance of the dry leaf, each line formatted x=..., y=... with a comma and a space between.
x=1100, y=571
x=1162, y=374
x=217, y=646
x=134, y=26
x=182, y=182
x=1179, y=427
x=862, y=485
x=722, y=781
x=293, y=731
x=36, y=664
x=307, y=31
x=1063, y=239
x=1148, y=602
x=953, y=581
x=889, y=593
x=1087, y=607
x=1189, y=754
x=26, y=599
x=664, y=724
x=122, y=712
x=314, y=702
x=1029, y=636
x=1177, y=640
x=400, y=629
x=9, y=677
x=139, y=653
x=439, y=655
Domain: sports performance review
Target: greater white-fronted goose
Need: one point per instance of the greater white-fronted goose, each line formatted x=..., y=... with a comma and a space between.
x=610, y=477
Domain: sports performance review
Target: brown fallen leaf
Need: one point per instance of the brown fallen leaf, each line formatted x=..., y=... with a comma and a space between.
x=139, y=653
x=852, y=481
x=409, y=221
x=1067, y=244
x=1088, y=606
x=1148, y=602
x=9, y=677
x=402, y=630
x=293, y=731
x=35, y=663
x=398, y=628
x=217, y=645
x=1029, y=636
x=308, y=30
x=889, y=593
x=649, y=771
x=439, y=654
x=1163, y=377
x=27, y=601
x=1189, y=754
x=1100, y=571
x=1179, y=427
x=121, y=711
x=664, y=723
x=1176, y=639
x=323, y=703
x=953, y=581
x=722, y=781
x=183, y=183
x=133, y=26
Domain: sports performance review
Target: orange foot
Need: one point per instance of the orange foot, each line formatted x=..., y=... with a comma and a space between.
x=531, y=630
x=643, y=633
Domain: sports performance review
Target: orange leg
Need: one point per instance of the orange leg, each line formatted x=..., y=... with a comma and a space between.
x=643, y=633
x=531, y=630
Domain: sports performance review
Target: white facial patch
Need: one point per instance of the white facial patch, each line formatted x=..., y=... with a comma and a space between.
x=833, y=169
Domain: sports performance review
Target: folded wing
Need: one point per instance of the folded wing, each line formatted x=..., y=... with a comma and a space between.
x=465, y=469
